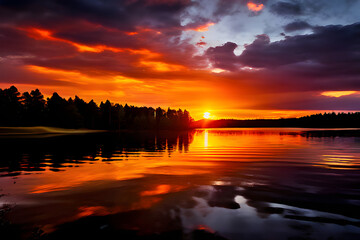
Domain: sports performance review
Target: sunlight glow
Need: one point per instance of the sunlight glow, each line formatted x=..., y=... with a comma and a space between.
x=207, y=115
x=206, y=138
x=218, y=70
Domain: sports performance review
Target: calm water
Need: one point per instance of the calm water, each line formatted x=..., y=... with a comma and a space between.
x=204, y=184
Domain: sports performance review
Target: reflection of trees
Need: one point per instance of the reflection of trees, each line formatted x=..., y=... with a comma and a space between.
x=31, y=109
x=35, y=154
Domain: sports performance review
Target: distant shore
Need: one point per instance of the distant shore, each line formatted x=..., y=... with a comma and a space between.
x=314, y=121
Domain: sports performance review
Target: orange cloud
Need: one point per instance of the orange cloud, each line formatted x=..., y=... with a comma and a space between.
x=161, y=66
x=338, y=93
x=201, y=43
x=131, y=33
x=42, y=34
x=92, y=210
x=255, y=7
x=203, y=28
x=205, y=228
x=142, y=29
x=160, y=189
x=145, y=52
x=64, y=75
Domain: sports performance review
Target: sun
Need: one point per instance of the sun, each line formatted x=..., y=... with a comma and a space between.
x=207, y=115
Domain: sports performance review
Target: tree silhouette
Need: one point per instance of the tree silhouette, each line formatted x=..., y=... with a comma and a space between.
x=10, y=106
x=31, y=109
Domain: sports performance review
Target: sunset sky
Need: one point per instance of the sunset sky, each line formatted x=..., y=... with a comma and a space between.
x=230, y=58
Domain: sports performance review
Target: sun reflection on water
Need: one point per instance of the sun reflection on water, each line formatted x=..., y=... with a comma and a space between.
x=206, y=138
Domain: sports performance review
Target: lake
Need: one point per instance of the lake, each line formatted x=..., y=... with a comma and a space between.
x=204, y=184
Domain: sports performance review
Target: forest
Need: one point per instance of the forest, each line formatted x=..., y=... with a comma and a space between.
x=320, y=120
x=32, y=109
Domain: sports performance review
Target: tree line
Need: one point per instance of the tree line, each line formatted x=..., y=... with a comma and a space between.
x=32, y=109
x=321, y=120
x=331, y=119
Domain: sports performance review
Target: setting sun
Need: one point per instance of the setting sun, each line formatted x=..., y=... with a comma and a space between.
x=207, y=115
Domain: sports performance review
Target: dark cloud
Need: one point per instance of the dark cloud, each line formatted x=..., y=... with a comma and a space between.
x=14, y=42
x=97, y=35
x=152, y=25
x=223, y=56
x=287, y=8
x=12, y=72
x=312, y=101
x=329, y=45
x=296, y=8
x=228, y=7
x=296, y=26
x=124, y=15
x=326, y=60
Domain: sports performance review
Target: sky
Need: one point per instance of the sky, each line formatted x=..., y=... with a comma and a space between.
x=231, y=58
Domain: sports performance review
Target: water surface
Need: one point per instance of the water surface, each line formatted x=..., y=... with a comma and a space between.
x=202, y=184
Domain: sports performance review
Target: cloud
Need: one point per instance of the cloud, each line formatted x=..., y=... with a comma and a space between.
x=223, y=56
x=199, y=28
x=292, y=73
x=122, y=15
x=328, y=46
x=201, y=43
x=287, y=8
x=296, y=26
x=15, y=42
x=98, y=36
x=215, y=11
x=255, y=7
x=338, y=93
